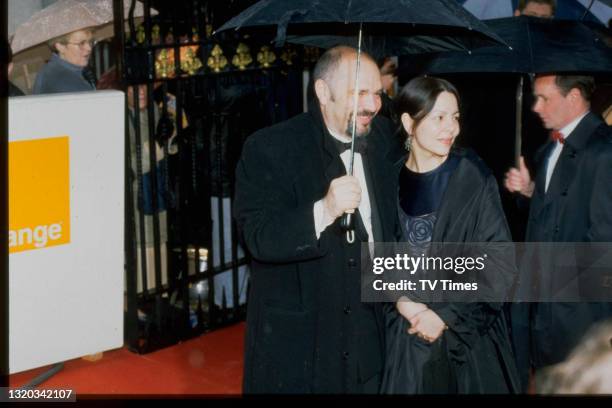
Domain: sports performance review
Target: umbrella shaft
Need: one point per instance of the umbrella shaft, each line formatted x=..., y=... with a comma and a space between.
x=355, y=102
x=519, y=122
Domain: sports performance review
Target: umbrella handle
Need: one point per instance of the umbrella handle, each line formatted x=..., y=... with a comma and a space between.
x=347, y=224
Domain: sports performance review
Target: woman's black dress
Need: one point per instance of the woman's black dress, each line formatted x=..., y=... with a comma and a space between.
x=413, y=365
x=456, y=202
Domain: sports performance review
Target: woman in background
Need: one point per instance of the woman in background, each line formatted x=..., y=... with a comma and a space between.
x=67, y=69
x=445, y=194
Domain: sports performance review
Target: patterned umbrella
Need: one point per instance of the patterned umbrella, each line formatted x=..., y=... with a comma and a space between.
x=66, y=16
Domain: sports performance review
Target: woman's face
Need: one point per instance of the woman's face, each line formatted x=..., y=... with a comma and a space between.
x=77, y=49
x=437, y=131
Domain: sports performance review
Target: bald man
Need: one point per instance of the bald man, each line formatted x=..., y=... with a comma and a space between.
x=307, y=330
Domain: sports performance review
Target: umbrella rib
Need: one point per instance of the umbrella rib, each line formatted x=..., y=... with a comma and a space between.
x=348, y=11
x=586, y=10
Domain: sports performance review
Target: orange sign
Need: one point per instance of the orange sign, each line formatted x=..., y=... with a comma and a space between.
x=39, y=193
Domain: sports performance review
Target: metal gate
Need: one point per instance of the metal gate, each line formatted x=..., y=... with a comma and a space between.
x=195, y=99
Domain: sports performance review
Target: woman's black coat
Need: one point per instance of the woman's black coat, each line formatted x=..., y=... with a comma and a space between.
x=476, y=343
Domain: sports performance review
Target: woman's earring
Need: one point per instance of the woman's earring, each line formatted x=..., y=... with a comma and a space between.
x=408, y=143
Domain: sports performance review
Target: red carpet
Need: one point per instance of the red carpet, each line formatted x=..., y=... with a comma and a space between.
x=209, y=364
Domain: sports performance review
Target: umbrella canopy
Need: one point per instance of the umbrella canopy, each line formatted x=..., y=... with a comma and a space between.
x=588, y=10
x=391, y=27
x=66, y=16
x=538, y=46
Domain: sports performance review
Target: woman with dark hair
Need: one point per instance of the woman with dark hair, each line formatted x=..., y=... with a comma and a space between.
x=445, y=195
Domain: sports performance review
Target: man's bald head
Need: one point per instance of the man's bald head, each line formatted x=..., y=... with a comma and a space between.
x=329, y=63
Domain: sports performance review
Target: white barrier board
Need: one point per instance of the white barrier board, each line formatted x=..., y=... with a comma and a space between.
x=66, y=222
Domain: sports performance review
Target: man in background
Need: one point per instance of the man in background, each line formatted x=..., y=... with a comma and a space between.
x=570, y=200
x=536, y=8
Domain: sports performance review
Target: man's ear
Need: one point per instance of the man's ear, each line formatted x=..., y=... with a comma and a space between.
x=322, y=91
x=575, y=94
x=517, y=13
x=407, y=122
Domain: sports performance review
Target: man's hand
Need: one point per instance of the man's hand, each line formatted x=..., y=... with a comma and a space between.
x=519, y=180
x=427, y=325
x=343, y=195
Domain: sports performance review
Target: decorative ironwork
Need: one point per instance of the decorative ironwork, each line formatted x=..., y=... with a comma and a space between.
x=243, y=58
x=217, y=60
x=288, y=55
x=266, y=57
x=164, y=64
x=190, y=63
x=140, y=34
x=193, y=278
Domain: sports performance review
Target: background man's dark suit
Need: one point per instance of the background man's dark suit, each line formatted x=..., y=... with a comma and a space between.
x=307, y=330
x=577, y=207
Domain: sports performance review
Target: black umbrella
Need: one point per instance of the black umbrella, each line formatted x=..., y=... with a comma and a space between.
x=393, y=27
x=537, y=46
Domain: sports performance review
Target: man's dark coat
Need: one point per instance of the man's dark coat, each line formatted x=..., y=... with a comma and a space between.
x=307, y=330
x=576, y=208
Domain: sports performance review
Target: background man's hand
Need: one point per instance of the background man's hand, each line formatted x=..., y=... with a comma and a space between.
x=519, y=180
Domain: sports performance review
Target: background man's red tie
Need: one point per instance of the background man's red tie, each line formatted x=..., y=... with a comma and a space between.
x=557, y=136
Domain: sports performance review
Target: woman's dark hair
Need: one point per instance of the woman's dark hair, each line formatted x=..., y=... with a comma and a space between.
x=418, y=97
